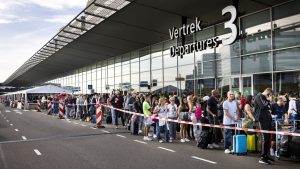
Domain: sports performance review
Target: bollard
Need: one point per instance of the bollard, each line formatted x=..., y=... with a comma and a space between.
x=99, y=116
x=38, y=105
x=49, y=107
x=61, y=110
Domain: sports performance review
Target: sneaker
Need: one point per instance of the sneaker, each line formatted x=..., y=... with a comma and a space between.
x=150, y=135
x=154, y=136
x=161, y=141
x=264, y=161
x=215, y=145
x=171, y=141
x=227, y=151
x=147, y=138
x=140, y=131
x=182, y=140
x=186, y=140
x=117, y=127
x=272, y=153
x=210, y=146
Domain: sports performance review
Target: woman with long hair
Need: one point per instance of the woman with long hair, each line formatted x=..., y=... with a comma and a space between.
x=183, y=115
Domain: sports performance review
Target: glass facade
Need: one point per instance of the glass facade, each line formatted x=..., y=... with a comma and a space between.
x=266, y=54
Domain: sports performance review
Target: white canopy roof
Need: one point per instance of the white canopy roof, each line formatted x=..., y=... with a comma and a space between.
x=51, y=89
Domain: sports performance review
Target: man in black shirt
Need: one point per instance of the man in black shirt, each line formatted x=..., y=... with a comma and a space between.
x=263, y=116
x=212, y=110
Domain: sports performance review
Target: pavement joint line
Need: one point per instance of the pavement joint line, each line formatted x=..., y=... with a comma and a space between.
x=202, y=159
x=16, y=129
x=140, y=141
x=121, y=136
x=166, y=149
x=11, y=124
x=105, y=131
x=24, y=138
x=37, y=152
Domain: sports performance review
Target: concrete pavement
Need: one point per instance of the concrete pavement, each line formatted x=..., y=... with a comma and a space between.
x=43, y=141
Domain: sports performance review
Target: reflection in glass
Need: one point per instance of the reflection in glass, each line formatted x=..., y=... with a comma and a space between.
x=287, y=36
x=287, y=81
x=187, y=71
x=186, y=59
x=125, y=69
x=204, y=86
x=135, y=67
x=261, y=82
x=205, y=69
x=287, y=59
x=118, y=71
x=157, y=75
x=223, y=86
x=170, y=74
x=227, y=67
x=170, y=61
x=170, y=87
x=257, y=63
x=156, y=63
x=144, y=65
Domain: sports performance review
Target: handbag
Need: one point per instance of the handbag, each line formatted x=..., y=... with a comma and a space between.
x=154, y=118
x=184, y=116
x=248, y=122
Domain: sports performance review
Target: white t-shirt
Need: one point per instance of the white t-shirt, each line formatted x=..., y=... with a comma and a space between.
x=292, y=106
x=172, y=110
x=162, y=113
x=232, y=110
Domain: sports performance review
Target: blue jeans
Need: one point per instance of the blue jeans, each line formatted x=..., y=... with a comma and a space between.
x=113, y=116
x=172, y=128
x=228, y=137
x=141, y=122
x=166, y=133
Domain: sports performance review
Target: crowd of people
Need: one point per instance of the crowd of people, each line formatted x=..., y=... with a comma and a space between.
x=253, y=111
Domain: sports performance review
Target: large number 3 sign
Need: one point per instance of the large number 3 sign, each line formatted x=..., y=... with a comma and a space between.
x=229, y=24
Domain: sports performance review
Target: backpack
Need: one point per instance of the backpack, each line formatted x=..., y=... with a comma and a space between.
x=198, y=112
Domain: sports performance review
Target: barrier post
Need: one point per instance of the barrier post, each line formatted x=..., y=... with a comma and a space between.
x=99, y=116
x=38, y=105
x=61, y=110
x=49, y=107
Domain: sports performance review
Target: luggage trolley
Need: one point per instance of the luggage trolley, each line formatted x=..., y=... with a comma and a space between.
x=282, y=141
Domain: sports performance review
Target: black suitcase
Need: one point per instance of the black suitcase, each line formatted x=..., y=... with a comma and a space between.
x=108, y=119
x=134, y=125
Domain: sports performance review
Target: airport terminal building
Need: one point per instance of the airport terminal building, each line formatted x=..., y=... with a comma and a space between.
x=173, y=45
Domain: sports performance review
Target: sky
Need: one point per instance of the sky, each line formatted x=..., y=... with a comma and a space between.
x=26, y=25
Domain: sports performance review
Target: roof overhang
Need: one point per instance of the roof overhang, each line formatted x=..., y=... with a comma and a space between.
x=132, y=25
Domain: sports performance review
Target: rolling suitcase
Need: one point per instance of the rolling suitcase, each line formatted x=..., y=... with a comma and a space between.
x=134, y=125
x=252, y=142
x=239, y=144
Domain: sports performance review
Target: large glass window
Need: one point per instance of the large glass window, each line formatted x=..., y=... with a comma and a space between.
x=170, y=87
x=157, y=75
x=125, y=69
x=144, y=65
x=261, y=82
x=204, y=86
x=118, y=71
x=205, y=69
x=187, y=71
x=287, y=81
x=135, y=67
x=156, y=63
x=156, y=50
x=223, y=86
x=170, y=74
x=227, y=67
x=256, y=28
x=169, y=61
x=257, y=63
x=287, y=59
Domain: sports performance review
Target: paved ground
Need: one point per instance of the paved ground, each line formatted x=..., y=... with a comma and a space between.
x=33, y=140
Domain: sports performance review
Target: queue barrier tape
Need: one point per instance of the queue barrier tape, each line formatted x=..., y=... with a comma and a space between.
x=211, y=125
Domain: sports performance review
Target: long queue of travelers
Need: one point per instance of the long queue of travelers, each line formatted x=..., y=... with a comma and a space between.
x=254, y=111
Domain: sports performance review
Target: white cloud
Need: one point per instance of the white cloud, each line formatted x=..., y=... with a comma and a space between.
x=64, y=19
x=58, y=4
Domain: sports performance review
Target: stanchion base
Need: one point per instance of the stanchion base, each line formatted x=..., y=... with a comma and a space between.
x=99, y=127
